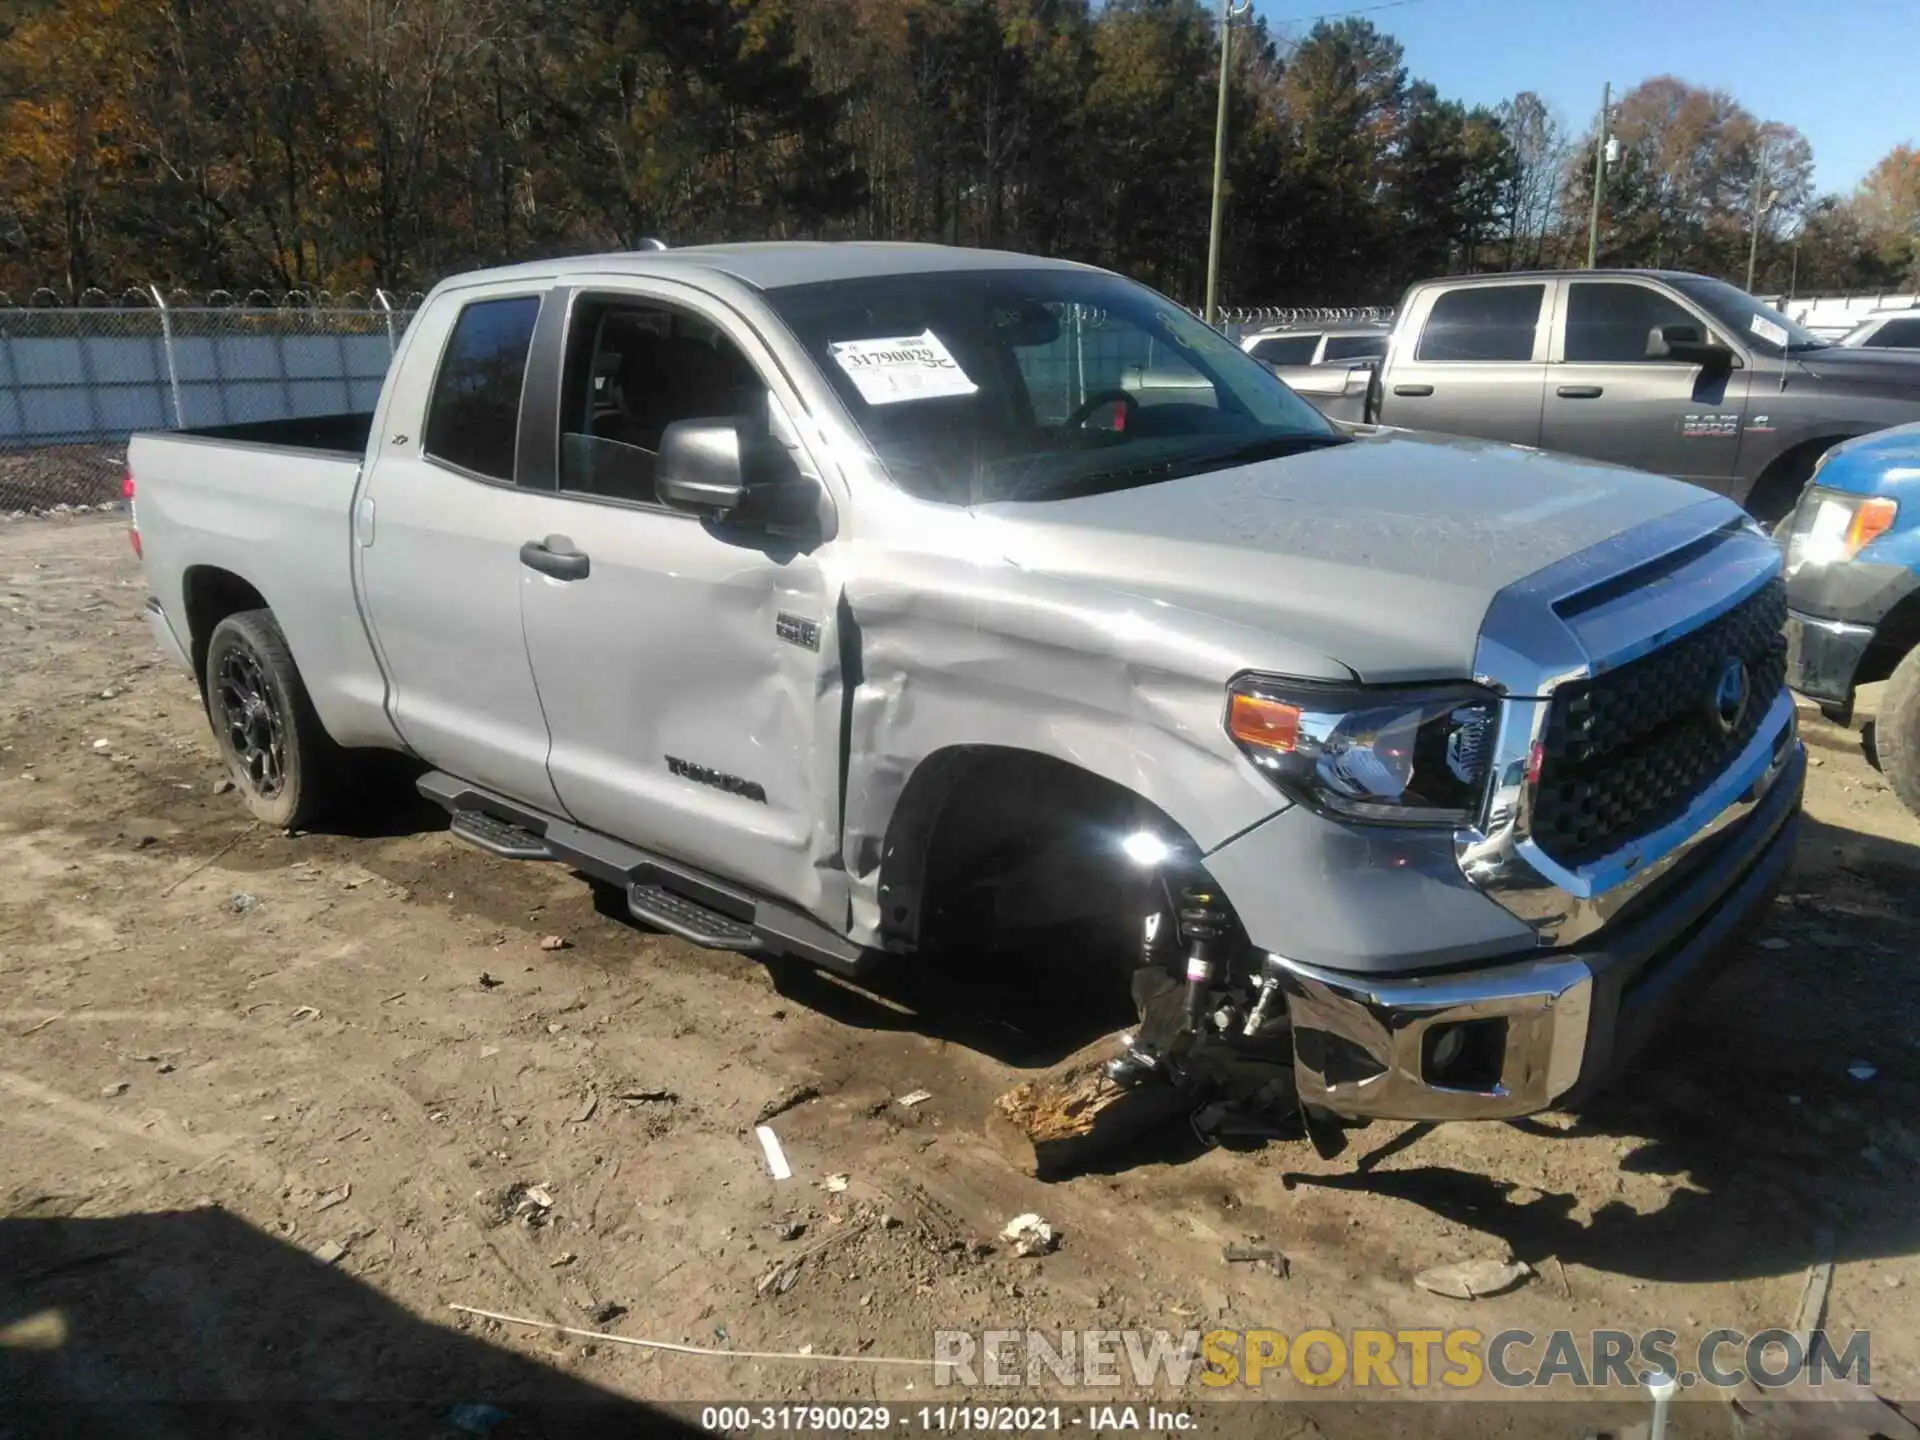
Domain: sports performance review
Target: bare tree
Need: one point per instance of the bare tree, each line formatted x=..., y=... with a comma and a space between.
x=1540, y=149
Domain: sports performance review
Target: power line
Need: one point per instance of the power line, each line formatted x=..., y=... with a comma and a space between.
x=1342, y=14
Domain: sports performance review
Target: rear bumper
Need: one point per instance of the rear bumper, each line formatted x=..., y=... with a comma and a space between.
x=164, y=637
x=1547, y=1029
x=1823, y=655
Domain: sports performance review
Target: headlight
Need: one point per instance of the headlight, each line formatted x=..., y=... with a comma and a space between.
x=1832, y=526
x=1400, y=756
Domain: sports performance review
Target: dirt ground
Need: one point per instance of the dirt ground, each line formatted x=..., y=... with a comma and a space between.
x=224, y=1048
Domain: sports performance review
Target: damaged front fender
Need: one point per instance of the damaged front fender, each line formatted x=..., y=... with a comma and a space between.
x=959, y=651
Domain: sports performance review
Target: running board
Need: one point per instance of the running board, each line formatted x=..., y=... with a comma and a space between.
x=689, y=919
x=499, y=837
x=660, y=892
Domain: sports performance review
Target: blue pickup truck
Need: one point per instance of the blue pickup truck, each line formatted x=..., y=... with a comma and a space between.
x=1852, y=551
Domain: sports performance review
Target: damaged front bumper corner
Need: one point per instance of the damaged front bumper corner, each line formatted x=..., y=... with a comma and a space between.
x=1501, y=1040
x=1516, y=1037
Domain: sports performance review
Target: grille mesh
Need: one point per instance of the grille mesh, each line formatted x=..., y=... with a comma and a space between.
x=1627, y=751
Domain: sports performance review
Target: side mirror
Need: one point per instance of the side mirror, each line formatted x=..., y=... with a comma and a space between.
x=1358, y=378
x=1685, y=343
x=700, y=466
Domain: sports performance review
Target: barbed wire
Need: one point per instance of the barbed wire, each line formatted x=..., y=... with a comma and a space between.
x=1306, y=314
x=137, y=297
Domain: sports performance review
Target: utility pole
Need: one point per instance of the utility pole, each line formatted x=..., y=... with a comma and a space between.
x=1761, y=205
x=1599, y=174
x=1229, y=12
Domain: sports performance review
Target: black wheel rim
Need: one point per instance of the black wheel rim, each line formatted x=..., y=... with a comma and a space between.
x=251, y=722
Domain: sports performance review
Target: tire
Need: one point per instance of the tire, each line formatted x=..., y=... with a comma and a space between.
x=1896, y=731
x=281, y=759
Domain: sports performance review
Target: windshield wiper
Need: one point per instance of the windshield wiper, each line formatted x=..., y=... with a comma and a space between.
x=1798, y=345
x=1272, y=447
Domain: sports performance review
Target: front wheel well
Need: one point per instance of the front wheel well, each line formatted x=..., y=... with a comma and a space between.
x=1897, y=633
x=1776, y=490
x=989, y=838
x=211, y=595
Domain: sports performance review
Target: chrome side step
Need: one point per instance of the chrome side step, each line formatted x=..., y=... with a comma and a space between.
x=660, y=892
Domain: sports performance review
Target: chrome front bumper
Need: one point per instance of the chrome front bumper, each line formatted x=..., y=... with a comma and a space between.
x=1363, y=1047
x=1822, y=656
x=1556, y=1024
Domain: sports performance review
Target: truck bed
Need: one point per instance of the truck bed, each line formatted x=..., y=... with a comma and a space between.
x=331, y=434
x=269, y=505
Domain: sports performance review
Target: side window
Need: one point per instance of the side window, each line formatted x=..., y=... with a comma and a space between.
x=632, y=369
x=1355, y=347
x=1608, y=322
x=1285, y=349
x=473, y=418
x=1902, y=334
x=1483, y=322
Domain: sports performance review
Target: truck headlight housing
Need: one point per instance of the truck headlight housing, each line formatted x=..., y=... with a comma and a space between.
x=1832, y=526
x=1413, y=756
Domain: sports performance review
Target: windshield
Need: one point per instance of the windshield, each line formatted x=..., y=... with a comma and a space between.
x=985, y=385
x=1760, y=326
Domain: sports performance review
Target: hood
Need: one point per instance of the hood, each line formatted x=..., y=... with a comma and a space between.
x=1882, y=462
x=1383, y=554
x=1896, y=372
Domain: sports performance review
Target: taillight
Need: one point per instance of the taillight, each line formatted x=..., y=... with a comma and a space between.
x=133, y=518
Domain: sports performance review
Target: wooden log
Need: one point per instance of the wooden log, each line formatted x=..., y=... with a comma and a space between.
x=1053, y=1124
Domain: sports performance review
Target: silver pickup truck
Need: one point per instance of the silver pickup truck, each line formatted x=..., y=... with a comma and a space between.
x=839, y=601
x=1679, y=374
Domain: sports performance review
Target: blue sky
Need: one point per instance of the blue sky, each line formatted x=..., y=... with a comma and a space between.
x=1840, y=71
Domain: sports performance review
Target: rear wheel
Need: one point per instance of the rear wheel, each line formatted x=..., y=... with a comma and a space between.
x=1896, y=731
x=279, y=755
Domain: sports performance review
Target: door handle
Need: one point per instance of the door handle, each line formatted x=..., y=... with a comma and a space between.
x=1413, y=389
x=560, y=564
x=1580, y=392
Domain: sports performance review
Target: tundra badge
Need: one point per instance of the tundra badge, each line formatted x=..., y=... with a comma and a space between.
x=797, y=630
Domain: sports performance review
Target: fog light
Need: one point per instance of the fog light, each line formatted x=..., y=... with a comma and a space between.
x=1468, y=1055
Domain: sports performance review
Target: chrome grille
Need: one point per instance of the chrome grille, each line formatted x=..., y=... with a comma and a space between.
x=1628, y=750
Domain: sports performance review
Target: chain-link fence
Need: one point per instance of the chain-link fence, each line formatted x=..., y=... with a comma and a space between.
x=76, y=381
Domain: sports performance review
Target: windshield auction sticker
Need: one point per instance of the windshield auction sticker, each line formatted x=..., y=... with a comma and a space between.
x=1767, y=330
x=902, y=367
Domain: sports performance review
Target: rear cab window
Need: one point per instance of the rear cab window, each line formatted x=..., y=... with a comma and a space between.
x=1482, y=323
x=473, y=417
x=1285, y=349
x=1354, y=347
x=1900, y=334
